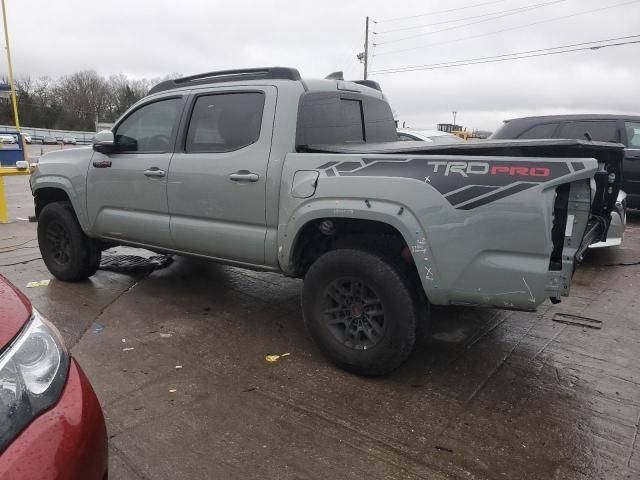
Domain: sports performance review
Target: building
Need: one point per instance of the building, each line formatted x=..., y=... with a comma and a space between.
x=449, y=127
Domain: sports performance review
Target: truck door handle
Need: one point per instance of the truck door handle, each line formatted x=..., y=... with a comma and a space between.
x=154, y=172
x=244, y=176
x=102, y=164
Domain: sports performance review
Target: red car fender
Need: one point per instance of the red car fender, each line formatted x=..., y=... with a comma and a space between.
x=67, y=442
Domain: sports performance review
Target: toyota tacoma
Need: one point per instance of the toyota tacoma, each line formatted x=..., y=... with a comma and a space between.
x=261, y=169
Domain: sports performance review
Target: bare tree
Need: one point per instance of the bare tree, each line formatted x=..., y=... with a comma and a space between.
x=74, y=102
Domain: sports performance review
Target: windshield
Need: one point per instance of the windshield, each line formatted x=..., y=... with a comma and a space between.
x=633, y=134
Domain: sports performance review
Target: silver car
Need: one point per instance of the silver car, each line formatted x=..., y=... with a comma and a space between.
x=432, y=136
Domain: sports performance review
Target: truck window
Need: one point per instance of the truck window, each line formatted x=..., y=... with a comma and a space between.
x=633, y=134
x=543, y=130
x=149, y=128
x=224, y=122
x=335, y=118
x=379, y=123
x=601, y=131
x=351, y=113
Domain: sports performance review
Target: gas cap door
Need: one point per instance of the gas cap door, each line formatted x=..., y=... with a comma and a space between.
x=304, y=183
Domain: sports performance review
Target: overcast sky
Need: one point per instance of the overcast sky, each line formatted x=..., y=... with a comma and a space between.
x=150, y=38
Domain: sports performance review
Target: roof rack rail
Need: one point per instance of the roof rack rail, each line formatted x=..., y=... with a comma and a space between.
x=369, y=83
x=281, y=73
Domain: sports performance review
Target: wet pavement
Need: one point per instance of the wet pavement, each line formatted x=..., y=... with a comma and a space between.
x=488, y=393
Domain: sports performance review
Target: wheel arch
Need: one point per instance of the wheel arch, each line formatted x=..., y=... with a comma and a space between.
x=315, y=229
x=46, y=192
x=46, y=195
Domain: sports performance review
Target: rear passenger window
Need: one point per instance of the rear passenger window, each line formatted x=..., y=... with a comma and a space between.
x=601, y=131
x=544, y=130
x=224, y=122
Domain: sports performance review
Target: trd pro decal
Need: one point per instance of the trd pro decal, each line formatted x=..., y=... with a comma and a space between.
x=465, y=184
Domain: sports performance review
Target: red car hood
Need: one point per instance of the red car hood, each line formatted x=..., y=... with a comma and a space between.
x=15, y=310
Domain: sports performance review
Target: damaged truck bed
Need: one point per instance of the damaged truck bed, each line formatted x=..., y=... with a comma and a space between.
x=498, y=223
x=468, y=183
x=261, y=169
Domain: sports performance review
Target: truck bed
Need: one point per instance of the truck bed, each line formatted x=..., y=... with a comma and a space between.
x=608, y=178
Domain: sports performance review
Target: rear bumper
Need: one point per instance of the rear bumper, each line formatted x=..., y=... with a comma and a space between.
x=68, y=441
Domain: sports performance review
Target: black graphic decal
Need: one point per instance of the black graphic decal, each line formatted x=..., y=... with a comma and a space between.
x=465, y=184
x=519, y=187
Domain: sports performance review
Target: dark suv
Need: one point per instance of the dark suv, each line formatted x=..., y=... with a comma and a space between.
x=624, y=129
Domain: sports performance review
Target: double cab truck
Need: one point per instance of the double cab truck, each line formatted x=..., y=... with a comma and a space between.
x=261, y=169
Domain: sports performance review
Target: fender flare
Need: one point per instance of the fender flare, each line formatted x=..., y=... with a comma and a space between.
x=396, y=215
x=64, y=184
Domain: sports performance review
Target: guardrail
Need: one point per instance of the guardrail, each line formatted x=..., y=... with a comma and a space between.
x=38, y=134
x=8, y=172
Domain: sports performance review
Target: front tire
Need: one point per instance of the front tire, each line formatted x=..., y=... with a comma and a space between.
x=67, y=252
x=359, y=311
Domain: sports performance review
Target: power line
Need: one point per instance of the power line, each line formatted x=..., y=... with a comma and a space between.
x=388, y=52
x=595, y=45
x=518, y=9
x=411, y=67
x=521, y=10
x=440, y=11
x=507, y=59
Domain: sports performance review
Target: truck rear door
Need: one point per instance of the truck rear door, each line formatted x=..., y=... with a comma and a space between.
x=217, y=177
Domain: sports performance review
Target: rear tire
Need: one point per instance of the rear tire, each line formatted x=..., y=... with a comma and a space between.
x=360, y=311
x=67, y=252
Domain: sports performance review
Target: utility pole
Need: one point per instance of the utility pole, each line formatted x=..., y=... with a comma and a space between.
x=366, y=46
x=11, y=84
x=454, y=117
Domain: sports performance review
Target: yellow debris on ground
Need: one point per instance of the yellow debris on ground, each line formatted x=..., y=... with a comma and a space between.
x=275, y=358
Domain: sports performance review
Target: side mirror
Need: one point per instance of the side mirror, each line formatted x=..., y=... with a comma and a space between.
x=103, y=141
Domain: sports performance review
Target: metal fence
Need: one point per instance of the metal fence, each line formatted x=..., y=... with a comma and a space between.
x=38, y=134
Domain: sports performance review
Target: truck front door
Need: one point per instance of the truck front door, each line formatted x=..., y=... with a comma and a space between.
x=218, y=175
x=127, y=189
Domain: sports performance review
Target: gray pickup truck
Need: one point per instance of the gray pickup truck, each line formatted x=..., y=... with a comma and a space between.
x=261, y=169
